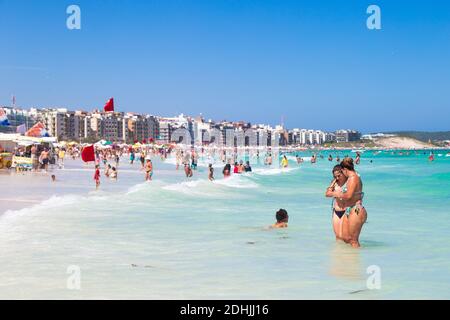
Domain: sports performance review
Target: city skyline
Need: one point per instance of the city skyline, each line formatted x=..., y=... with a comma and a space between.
x=314, y=65
x=117, y=125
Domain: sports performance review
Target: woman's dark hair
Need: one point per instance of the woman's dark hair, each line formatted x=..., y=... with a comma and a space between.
x=337, y=167
x=347, y=163
x=282, y=216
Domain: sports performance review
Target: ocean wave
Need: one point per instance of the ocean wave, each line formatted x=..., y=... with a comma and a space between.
x=143, y=186
x=273, y=171
x=237, y=181
x=46, y=205
x=185, y=186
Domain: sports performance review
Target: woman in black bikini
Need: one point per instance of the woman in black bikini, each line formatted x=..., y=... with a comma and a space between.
x=352, y=195
x=339, y=218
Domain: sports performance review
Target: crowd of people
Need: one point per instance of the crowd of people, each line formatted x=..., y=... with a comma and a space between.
x=348, y=212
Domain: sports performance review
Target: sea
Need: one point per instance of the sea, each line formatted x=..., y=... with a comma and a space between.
x=190, y=238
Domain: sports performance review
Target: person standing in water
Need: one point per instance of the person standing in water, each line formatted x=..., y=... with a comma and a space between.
x=358, y=158
x=44, y=159
x=352, y=195
x=188, y=170
x=210, y=172
x=97, y=176
x=142, y=159
x=61, y=155
x=284, y=162
x=339, y=218
x=148, y=170
x=236, y=168
x=247, y=167
x=226, y=170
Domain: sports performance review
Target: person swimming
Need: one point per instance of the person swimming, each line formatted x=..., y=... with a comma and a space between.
x=282, y=218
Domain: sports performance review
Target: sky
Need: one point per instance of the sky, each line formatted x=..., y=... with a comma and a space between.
x=311, y=64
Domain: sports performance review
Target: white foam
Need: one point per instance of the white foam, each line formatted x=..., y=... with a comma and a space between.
x=47, y=205
x=185, y=186
x=273, y=171
x=237, y=181
x=143, y=186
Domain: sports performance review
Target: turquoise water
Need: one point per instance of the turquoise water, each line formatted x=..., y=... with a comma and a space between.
x=175, y=238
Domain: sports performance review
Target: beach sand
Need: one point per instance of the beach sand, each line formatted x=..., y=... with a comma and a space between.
x=402, y=143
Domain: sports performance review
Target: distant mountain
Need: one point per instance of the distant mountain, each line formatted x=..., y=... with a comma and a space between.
x=424, y=135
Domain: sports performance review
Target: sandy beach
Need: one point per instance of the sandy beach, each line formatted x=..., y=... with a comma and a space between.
x=402, y=143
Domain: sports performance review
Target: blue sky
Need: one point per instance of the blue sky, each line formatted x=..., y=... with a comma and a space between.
x=314, y=63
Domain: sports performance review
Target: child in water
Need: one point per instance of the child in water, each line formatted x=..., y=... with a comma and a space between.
x=282, y=219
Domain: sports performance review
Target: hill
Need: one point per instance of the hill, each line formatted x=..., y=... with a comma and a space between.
x=424, y=135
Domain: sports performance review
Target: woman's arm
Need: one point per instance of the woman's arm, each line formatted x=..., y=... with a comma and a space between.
x=330, y=189
x=351, y=188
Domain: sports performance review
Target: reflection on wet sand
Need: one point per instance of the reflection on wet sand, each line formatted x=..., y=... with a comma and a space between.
x=345, y=262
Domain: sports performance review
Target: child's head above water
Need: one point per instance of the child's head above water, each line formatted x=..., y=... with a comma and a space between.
x=282, y=216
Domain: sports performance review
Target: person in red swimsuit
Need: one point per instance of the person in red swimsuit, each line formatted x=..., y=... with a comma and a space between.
x=97, y=176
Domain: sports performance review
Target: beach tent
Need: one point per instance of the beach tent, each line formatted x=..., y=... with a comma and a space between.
x=8, y=141
x=38, y=130
x=104, y=142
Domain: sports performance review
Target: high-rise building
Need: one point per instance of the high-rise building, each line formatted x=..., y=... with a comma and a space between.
x=347, y=135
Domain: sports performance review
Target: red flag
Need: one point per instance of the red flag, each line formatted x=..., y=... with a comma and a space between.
x=109, y=106
x=88, y=154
